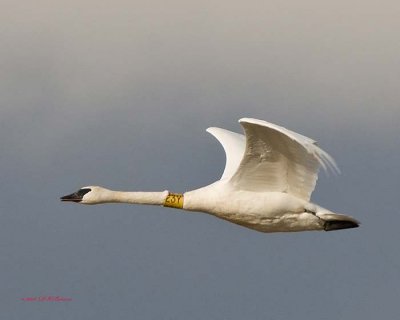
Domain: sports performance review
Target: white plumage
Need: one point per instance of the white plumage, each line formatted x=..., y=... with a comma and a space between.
x=269, y=176
x=279, y=160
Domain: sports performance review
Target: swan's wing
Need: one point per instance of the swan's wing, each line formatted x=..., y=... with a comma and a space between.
x=234, y=145
x=280, y=160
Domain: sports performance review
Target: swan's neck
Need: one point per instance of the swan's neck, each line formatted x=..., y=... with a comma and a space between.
x=164, y=198
x=154, y=198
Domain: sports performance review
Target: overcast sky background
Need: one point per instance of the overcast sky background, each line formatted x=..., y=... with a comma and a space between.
x=119, y=94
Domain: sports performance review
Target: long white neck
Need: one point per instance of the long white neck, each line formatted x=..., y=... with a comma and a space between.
x=98, y=195
x=154, y=198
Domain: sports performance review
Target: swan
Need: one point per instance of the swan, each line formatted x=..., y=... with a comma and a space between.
x=269, y=175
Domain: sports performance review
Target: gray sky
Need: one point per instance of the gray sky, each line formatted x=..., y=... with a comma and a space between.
x=119, y=93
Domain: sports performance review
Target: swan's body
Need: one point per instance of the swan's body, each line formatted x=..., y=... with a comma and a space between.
x=267, y=183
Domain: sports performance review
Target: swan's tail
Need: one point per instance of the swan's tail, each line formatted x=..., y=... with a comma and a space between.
x=333, y=221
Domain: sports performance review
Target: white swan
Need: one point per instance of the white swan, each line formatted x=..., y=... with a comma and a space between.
x=266, y=185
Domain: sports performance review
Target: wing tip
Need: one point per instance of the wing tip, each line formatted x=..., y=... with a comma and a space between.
x=327, y=162
x=215, y=131
x=211, y=129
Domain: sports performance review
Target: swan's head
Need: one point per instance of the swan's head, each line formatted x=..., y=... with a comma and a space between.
x=87, y=195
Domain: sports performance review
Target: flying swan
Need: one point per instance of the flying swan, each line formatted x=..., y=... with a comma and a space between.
x=266, y=186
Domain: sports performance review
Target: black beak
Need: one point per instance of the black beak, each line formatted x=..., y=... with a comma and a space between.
x=74, y=197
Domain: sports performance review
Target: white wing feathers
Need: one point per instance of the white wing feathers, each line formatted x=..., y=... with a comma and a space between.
x=274, y=159
x=234, y=145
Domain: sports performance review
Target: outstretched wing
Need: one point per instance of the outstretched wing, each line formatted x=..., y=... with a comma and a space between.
x=280, y=160
x=234, y=145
